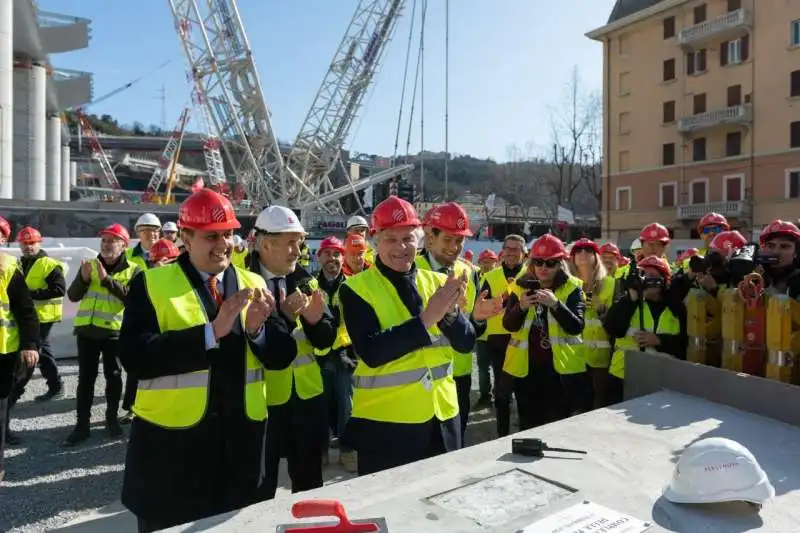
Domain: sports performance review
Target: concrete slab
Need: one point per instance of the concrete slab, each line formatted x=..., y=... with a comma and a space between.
x=632, y=450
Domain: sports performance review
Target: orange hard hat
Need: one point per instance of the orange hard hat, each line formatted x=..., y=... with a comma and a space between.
x=658, y=263
x=779, y=228
x=450, y=218
x=394, y=212
x=487, y=254
x=355, y=243
x=548, y=246
x=584, y=244
x=207, y=210
x=29, y=235
x=164, y=249
x=330, y=243
x=610, y=248
x=654, y=232
x=727, y=242
x=713, y=219
x=117, y=231
x=5, y=227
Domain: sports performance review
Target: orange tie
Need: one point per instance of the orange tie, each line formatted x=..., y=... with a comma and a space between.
x=212, y=288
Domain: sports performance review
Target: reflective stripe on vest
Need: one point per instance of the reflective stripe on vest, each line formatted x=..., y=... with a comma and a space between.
x=417, y=386
x=180, y=401
x=596, y=344
x=50, y=310
x=342, y=337
x=667, y=324
x=498, y=284
x=99, y=307
x=9, y=333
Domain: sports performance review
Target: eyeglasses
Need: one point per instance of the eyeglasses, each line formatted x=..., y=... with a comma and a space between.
x=549, y=263
x=711, y=229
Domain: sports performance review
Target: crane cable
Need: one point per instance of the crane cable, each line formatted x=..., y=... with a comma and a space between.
x=405, y=81
x=416, y=78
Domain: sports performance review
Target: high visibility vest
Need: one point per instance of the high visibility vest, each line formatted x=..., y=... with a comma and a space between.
x=98, y=306
x=684, y=265
x=462, y=362
x=48, y=310
x=305, y=257
x=622, y=271
x=369, y=256
x=179, y=401
x=568, y=357
x=239, y=258
x=498, y=284
x=342, y=337
x=137, y=260
x=416, y=387
x=304, y=372
x=596, y=344
x=9, y=332
x=667, y=324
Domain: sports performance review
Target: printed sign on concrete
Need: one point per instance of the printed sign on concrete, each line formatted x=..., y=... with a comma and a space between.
x=588, y=517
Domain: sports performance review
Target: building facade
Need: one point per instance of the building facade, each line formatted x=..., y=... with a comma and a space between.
x=701, y=113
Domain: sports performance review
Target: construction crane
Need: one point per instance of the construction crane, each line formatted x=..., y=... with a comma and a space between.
x=167, y=160
x=317, y=148
x=173, y=173
x=211, y=143
x=86, y=127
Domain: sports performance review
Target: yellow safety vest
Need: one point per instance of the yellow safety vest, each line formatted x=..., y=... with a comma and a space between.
x=342, y=338
x=48, y=310
x=180, y=401
x=137, y=260
x=622, y=272
x=685, y=263
x=462, y=362
x=239, y=258
x=304, y=372
x=98, y=306
x=596, y=344
x=568, y=358
x=416, y=387
x=369, y=256
x=667, y=324
x=498, y=284
x=9, y=332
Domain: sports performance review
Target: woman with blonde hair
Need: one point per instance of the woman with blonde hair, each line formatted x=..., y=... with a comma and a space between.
x=598, y=286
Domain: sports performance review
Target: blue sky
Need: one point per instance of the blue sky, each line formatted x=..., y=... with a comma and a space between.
x=509, y=62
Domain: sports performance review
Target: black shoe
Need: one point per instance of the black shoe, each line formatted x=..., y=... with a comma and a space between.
x=127, y=418
x=483, y=401
x=56, y=393
x=78, y=435
x=12, y=439
x=113, y=428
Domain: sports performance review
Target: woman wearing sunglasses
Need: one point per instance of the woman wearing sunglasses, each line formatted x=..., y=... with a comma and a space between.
x=544, y=362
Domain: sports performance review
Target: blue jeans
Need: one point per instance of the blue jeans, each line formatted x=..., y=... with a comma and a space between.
x=337, y=379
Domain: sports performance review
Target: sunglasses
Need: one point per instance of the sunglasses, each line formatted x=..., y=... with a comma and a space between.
x=711, y=229
x=549, y=263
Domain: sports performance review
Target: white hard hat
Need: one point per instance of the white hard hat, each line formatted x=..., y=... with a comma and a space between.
x=718, y=470
x=356, y=221
x=148, y=219
x=279, y=219
x=237, y=240
x=169, y=226
x=636, y=244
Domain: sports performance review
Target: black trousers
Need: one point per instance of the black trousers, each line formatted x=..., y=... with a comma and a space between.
x=129, y=398
x=47, y=365
x=463, y=387
x=503, y=389
x=89, y=352
x=8, y=374
x=615, y=391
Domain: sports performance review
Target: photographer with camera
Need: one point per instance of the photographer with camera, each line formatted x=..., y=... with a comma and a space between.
x=647, y=318
x=544, y=362
x=778, y=257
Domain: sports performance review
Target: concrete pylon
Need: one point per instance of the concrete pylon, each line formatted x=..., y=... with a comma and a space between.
x=73, y=174
x=53, y=165
x=66, y=184
x=30, y=130
x=6, y=98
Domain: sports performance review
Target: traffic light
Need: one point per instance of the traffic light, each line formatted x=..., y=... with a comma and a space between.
x=405, y=190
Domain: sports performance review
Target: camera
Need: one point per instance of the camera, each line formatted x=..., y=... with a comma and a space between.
x=530, y=284
x=713, y=262
x=638, y=281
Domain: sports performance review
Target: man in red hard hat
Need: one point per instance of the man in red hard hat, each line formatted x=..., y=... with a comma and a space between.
x=100, y=287
x=655, y=238
x=163, y=252
x=487, y=261
x=355, y=255
x=404, y=323
x=195, y=333
x=781, y=239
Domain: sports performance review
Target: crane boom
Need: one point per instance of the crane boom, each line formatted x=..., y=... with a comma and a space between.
x=165, y=162
x=97, y=150
x=317, y=147
x=221, y=64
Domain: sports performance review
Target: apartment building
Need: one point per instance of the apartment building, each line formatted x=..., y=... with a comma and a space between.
x=701, y=113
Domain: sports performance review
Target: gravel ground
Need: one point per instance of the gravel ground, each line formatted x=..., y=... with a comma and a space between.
x=48, y=486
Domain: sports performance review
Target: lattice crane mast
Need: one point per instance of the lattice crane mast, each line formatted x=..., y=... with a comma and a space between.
x=221, y=65
x=211, y=143
x=166, y=159
x=316, y=150
x=97, y=150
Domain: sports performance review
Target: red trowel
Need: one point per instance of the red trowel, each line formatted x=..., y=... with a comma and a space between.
x=330, y=508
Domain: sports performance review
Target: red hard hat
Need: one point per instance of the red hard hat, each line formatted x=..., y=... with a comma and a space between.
x=468, y=255
x=5, y=227
x=610, y=248
x=548, y=246
x=779, y=228
x=584, y=244
x=654, y=232
x=330, y=243
x=29, y=235
x=164, y=249
x=727, y=242
x=451, y=218
x=426, y=218
x=118, y=231
x=207, y=210
x=622, y=261
x=394, y=212
x=713, y=219
x=487, y=254
x=659, y=263
x=686, y=254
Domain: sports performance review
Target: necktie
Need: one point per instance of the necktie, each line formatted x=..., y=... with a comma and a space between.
x=275, y=286
x=212, y=288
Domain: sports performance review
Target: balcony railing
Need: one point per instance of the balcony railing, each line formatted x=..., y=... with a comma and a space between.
x=697, y=211
x=722, y=25
x=727, y=116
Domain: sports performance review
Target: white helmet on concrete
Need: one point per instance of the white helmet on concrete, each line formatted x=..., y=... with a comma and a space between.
x=718, y=470
x=169, y=226
x=279, y=219
x=636, y=244
x=356, y=221
x=148, y=220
